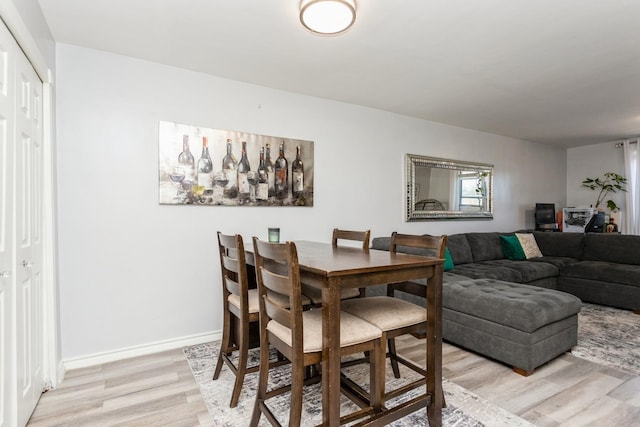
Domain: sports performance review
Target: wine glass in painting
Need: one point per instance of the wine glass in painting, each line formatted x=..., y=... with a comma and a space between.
x=252, y=177
x=221, y=179
x=176, y=174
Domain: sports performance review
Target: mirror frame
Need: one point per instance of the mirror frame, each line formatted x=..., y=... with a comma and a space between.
x=413, y=160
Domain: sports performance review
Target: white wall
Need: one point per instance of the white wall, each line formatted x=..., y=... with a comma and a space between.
x=592, y=161
x=135, y=272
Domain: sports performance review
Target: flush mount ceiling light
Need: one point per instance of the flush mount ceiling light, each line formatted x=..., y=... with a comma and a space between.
x=327, y=17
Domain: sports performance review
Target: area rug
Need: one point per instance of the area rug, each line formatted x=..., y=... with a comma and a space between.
x=464, y=408
x=609, y=336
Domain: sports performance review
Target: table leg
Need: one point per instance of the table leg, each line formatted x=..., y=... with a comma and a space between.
x=434, y=347
x=331, y=354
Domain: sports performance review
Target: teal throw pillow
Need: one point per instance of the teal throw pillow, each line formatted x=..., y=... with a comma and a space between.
x=512, y=248
x=448, y=261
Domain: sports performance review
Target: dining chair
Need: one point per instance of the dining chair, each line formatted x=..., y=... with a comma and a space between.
x=240, y=309
x=356, y=236
x=240, y=313
x=394, y=316
x=297, y=334
x=314, y=293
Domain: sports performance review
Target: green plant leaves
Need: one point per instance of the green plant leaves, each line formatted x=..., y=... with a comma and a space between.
x=610, y=182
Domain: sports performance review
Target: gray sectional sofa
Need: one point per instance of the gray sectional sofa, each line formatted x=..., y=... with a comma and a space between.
x=524, y=313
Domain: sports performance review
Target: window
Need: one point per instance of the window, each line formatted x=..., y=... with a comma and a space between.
x=472, y=189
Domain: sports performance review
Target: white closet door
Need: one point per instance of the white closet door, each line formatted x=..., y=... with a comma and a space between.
x=7, y=252
x=28, y=228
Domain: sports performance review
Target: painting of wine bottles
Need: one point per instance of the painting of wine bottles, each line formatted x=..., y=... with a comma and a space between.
x=203, y=166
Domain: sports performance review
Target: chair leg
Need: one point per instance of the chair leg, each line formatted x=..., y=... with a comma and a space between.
x=392, y=356
x=243, y=350
x=263, y=378
x=377, y=361
x=297, y=385
x=224, y=344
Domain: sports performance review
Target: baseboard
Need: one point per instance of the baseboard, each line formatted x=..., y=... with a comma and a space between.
x=141, y=350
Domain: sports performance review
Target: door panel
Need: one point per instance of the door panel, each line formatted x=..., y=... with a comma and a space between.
x=28, y=260
x=7, y=247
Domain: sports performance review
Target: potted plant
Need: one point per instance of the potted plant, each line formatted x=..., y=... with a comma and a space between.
x=610, y=182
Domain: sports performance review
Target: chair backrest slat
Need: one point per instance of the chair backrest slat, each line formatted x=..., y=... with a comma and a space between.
x=357, y=236
x=278, y=274
x=436, y=243
x=230, y=264
x=276, y=282
x=232, y=286
x=234, y=268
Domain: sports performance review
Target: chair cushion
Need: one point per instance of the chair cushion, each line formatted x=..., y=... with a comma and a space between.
x=385, y=312
x=254, y=302
x=254, y=305
x=353, y=330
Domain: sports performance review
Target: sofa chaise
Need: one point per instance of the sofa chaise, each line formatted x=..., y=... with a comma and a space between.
x=524, y=312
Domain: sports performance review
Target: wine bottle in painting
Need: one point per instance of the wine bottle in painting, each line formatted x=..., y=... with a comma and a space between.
x=187, y=162
x=205, y=169
x=229, y=172
x=271, y=176
x=297, y=178
x=281, y=171
x=262, y=191
x=244, y=187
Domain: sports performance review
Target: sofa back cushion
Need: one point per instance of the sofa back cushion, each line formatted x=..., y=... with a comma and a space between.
x=381, y=243
x=459, y=249
x=609, y=247
x=485, y=246
x=569, y=245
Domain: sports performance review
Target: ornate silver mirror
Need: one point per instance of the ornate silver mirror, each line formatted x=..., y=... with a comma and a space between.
x=447, y=189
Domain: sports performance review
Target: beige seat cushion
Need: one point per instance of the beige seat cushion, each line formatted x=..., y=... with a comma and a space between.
x=353, y=330
x=254, y=304
x=387, y=313
x=315, y=294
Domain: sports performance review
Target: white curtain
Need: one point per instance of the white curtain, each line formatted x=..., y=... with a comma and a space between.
x=631, y=223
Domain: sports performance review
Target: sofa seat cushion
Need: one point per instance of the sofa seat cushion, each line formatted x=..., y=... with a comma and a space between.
x=483, y=270
x=523, y=307
x=558, y=261
x=479, y=270
x=450, y=277
x=529, y=271
x=608, y=272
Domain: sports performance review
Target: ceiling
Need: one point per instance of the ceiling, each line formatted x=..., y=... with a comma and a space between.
x=565, y=73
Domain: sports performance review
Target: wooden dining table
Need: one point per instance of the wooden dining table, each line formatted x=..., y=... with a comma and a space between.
x=334, y=268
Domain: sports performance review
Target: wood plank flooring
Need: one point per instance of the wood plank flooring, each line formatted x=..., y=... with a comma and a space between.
x=159, y=390
x=154, y=390
x=568, y=391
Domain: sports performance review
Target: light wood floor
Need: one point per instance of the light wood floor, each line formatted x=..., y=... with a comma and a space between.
x=154, y=390
x=159, y=390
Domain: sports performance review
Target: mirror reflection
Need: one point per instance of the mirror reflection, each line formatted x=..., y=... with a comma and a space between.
x=447, y=189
